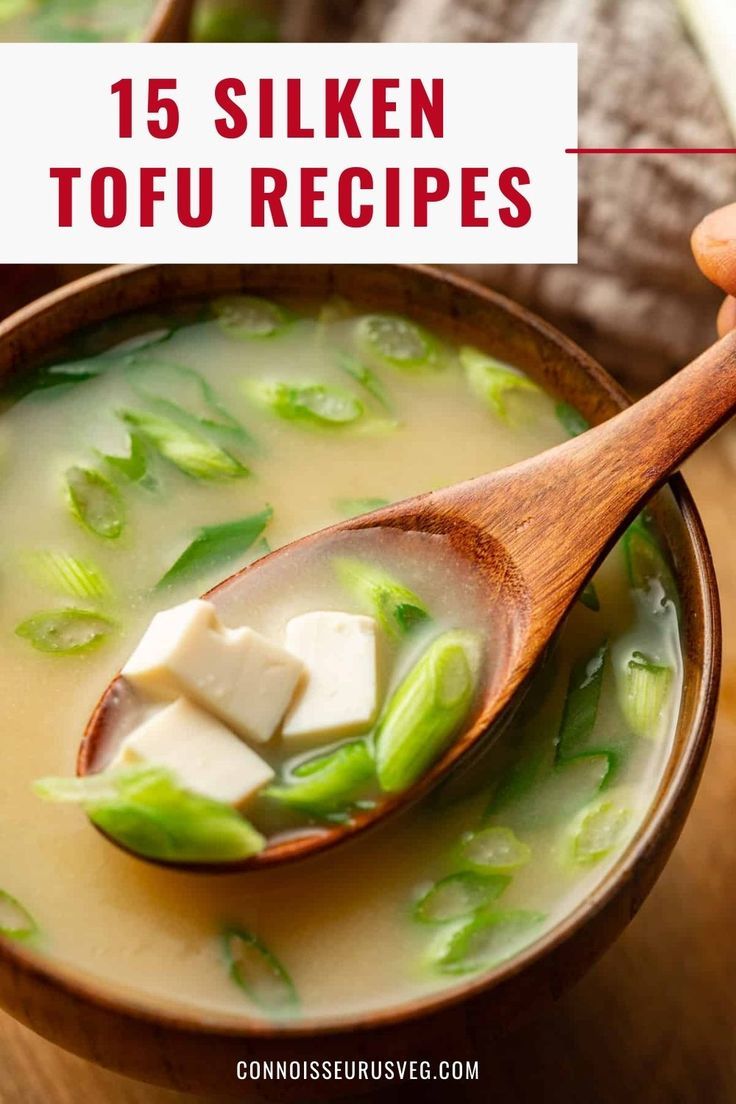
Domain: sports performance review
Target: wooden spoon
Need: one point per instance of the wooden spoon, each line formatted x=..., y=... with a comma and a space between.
x=534, y=533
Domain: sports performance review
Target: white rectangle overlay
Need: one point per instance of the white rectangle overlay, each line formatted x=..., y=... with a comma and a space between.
x=506, y=114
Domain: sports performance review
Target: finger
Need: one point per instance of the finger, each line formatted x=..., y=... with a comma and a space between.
x=727, y=316
x=714, y=246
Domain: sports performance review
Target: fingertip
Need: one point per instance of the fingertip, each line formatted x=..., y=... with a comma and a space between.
x=727, y=316
x=714, y=246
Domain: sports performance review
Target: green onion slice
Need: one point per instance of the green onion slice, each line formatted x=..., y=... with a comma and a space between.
x=535, y=799
x=247, y=316
x=580, y=712
x=646, y=686
x=327, y=783
x=190, y=452
x=598, y=830
x=134, y=466
x=368, y=380
x=257, y=971
x=145, y=810
x=571, y=419
x=397, y=609
x=16, y=921
x=315, y=403
x=492, y=380
x=426, y=710
x=184, y=395
x=66, y=631
x=459, y=895
x=486, y=939
x=393, y=340
x=646, y=562
x=95, y=502
x=215, y=545
x=71, y=575
x=494, y=850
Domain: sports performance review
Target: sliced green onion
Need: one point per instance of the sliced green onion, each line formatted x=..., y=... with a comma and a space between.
x=598, y=830
x=581, y=706
x=537, y=800
x=459, y=895
x=257, y=971
x=396, y=608
x=393, y=340
x=589, y=597
x=95, y=502
x=327, y=783
x=354, y=507
x=59, y=376
x=92, y=789
x=67, y=574
x=215, y=545
x=645, y=561
x=134, y=466
x=367, y=379
x=15, y=920
x=426, y=710
x=494, y=850
x=643, y=694
x=486, y=939
x=571, y=419
x=189, y=452
x=247, y=316
x=184, y=395
x=492, y=380
x=66, y=631
x=146, y=811
x=314, y=403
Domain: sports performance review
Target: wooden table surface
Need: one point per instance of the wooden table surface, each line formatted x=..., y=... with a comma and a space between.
x=653, y=1023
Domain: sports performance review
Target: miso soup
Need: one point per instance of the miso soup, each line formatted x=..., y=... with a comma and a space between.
x=157, y=457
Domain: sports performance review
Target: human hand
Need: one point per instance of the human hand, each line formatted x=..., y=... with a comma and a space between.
x=714, y=246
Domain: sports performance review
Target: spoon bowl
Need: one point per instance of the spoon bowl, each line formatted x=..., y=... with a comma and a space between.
x=532, y=534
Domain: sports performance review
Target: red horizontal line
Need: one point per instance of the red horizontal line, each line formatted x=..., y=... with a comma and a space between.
x=649, y=149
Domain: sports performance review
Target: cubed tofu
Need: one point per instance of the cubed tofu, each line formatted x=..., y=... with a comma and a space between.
x=340, y=695
x=244, y=679
x=205, y=756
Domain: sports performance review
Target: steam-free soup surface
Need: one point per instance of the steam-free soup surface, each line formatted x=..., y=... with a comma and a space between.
x=305, y=418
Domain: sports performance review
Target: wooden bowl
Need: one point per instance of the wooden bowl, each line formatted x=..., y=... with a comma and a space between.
x=199, y=1052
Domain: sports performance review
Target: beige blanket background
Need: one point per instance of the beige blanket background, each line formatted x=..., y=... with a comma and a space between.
x=635, y=300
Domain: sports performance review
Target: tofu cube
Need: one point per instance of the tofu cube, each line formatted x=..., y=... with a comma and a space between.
x=205, y=757
x=244, y=679
x=340, y=695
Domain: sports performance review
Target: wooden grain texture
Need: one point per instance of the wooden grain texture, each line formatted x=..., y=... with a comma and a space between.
x=653, y=1023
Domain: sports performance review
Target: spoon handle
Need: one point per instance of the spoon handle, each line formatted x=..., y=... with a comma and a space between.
x=558, y=513
x=619, y=464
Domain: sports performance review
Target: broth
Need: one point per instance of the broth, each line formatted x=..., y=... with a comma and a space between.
x=315, y=415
